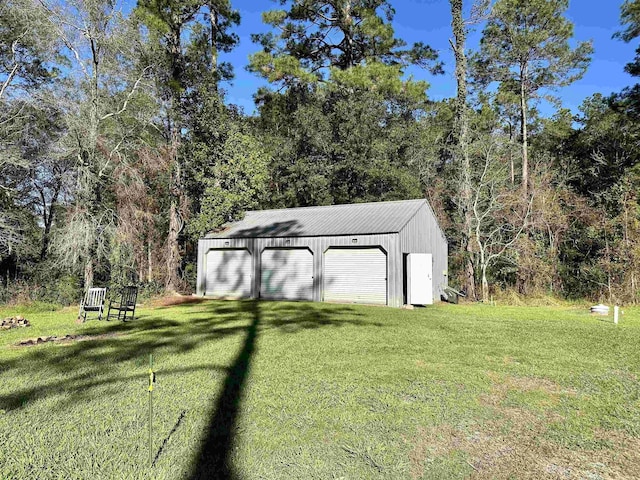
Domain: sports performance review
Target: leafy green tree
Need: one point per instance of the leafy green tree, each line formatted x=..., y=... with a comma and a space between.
x=103, y=82
x=342, y=143
x=190, y=36
x=587, y=216
x=461, y=147
x=26, y=46
x=314, y=36
x=233, y=173
x=228, y=168
x=344, y=127
x=629, y=98
x=525, y=46
x=602, y=150
x=26, y=49
x=186, y=52
x=630, y=18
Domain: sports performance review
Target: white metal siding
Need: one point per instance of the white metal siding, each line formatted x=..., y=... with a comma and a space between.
x=388, y=243
x=287, y=274
x=423, y=235
x=355, y=275
x=228, y=273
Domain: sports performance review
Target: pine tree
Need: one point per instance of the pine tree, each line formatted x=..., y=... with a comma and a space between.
x=317, y=35
x=187, y=54
x=525, y=46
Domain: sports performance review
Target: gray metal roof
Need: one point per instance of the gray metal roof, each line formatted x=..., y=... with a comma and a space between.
x=352, y=219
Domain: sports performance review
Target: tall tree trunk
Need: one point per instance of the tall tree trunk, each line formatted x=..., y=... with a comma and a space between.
x=523, y=130
x=92, y=186
x=462, y=140
x=175, y=221
x=485, y=285
x=46, y=237
x=173, y=254
x=88, y=273
x=149, y=263
x=347, y=30
x=511, y=165
x=9, y=267
x=47, y=219
x=213, y=20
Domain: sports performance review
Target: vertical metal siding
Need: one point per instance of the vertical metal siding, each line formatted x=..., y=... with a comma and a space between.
x=199, y=270
x=229, y=273
x=355, y=275
x=422, y=234
x=287, y=273
x=318, y=246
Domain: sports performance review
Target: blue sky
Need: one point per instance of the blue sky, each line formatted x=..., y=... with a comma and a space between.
x=429, y=21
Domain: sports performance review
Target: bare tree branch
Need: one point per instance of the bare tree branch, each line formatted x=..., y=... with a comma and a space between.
x=131, y=93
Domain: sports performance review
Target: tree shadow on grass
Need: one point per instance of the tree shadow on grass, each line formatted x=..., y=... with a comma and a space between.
x=94, y=359
x=213, y=462
x=75, y=371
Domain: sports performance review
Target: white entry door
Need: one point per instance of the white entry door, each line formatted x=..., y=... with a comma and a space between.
x=229, y=273
x=287, y=274
x=357, y=275
x=420, y=279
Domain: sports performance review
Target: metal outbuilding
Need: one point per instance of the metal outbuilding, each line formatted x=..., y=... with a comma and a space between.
x=360, y=253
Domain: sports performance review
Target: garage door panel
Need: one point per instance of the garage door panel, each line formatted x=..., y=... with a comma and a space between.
x=287, y=274
x=356, y=275
x=228, y=273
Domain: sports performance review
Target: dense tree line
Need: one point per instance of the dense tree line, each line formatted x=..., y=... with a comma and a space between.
x=118, y=148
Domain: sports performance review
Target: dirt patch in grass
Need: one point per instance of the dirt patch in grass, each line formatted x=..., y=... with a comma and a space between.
x=509, y=360
x=30, y=342
x=514, y=447
x=513, y=444
x=625, y=375
x=173, y=300
x=502, y=386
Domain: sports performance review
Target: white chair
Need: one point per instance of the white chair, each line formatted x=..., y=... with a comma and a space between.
x=93, y=301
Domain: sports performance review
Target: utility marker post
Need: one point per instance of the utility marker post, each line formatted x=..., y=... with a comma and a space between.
x=615, y=314
x=152, y=379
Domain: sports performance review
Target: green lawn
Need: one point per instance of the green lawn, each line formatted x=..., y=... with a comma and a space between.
x=272, y=390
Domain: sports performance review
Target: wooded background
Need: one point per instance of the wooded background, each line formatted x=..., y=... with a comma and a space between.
x=118, y=149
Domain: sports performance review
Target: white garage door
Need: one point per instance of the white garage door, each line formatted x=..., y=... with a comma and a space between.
x=228, y=273
x=287, y=274
x=356, y=275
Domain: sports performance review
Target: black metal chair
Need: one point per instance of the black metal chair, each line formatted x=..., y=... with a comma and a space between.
x=124, y=303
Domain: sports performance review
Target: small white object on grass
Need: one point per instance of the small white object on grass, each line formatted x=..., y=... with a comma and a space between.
x=600, y=309
x=616, y=310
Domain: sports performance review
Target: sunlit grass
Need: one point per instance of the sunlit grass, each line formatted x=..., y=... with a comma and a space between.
x=326, y=391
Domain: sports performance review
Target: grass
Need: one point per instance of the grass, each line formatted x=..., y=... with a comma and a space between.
x=300, y=390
